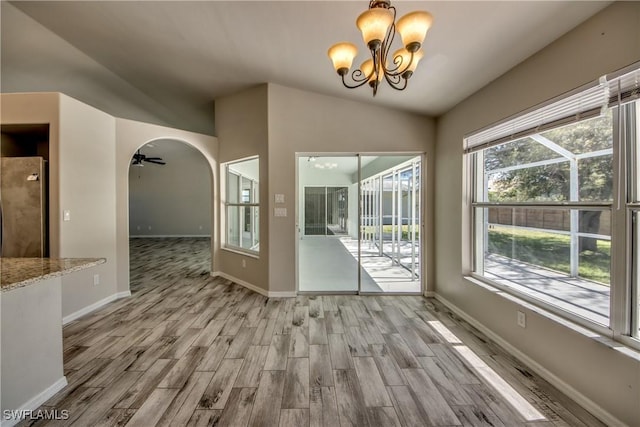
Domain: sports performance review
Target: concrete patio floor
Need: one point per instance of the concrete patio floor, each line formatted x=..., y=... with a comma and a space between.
x=579, y=296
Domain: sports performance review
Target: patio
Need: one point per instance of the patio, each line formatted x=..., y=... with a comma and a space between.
x=579, y=296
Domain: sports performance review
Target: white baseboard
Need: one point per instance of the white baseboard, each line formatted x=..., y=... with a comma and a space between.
x=268, y=294
x=35, y=402
x=283, y=294
x=160, y=236
x=429, y=294
x=96, y=305
x=560, y=384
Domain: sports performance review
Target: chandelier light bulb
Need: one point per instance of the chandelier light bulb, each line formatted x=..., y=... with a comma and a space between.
x=374, y=24
x=342, y=55
x=413, y=29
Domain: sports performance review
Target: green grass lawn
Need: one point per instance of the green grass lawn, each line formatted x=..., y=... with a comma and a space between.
x=387, y=229
x=551, y=251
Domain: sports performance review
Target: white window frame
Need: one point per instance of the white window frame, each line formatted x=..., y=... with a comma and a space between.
x=254, y=193
x=615, y=91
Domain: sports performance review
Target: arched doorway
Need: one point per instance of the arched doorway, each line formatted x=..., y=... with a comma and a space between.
x=170, y=211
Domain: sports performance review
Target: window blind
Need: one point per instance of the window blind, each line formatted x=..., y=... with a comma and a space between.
x=624, y=85
x=580, y=104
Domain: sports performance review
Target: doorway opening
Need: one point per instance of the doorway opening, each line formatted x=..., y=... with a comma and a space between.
x=360, y=223
x=169, y=213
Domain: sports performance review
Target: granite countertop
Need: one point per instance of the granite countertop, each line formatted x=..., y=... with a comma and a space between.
x=19, y=272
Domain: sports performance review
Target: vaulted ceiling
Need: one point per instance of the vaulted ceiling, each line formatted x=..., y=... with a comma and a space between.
x=188, y=53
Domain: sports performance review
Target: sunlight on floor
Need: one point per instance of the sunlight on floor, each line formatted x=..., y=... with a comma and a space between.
x=515, y=399
x=446, y=333
x=385, y=273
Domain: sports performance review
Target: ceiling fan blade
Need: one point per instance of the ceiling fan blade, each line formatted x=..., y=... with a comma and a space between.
x=154, y=158
x=155, y=161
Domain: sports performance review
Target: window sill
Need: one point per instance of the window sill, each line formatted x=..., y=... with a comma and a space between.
x=626, y=345
x=237, y=251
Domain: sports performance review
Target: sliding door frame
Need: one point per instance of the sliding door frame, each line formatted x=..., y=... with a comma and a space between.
x=299, y=232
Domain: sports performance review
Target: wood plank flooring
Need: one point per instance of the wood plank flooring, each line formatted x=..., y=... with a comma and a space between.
x=190, y=350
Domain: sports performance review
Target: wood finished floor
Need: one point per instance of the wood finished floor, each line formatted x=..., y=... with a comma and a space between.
x=187, y=349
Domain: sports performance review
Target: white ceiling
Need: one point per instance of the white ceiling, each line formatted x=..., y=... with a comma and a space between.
x=188, y=53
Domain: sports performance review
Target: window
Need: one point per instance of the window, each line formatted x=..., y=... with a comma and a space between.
x=550, y=220
x=632, y=128
x=242, y=205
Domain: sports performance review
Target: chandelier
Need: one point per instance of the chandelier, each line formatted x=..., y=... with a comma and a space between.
x=378, y=29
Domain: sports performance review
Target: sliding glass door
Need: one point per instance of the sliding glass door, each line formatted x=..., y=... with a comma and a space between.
x=390, y=225
x=360, y=224
x=328, y=224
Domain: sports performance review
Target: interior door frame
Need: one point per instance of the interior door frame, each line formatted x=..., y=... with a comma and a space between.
x=423, y=208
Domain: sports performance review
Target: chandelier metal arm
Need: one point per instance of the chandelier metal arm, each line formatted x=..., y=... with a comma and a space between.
x=396, y=81
x=388, y=40
x=398, y=69
x=359, y=81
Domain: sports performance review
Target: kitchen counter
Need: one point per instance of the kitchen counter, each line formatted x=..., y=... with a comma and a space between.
x=31, y=367
x=19, y=272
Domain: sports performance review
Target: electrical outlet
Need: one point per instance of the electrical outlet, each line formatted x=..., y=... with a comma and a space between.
x=138, y=228
x=244, y=263
x=96, y=279
x=522, y=319
x=149, y=227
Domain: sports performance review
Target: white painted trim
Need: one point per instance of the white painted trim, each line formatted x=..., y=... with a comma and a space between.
x=96, y=305
x=247, y=285
x=35, y=402
x=588, y=404
x=157, y=236
x=283, y=294
x=429, y=294
x=254, y=288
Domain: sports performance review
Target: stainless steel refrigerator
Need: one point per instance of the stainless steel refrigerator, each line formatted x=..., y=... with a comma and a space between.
x=23, y=205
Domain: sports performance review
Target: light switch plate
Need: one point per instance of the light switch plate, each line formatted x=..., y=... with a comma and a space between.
x=66, y=215
x=279, y=198
x=281, y=212
x=522, y=319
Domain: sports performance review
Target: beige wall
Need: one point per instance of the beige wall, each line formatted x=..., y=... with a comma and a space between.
x=306, y=122
x=241, y=122
x=172, y=199
x=87, y=190
x=81, y=180
x=131, y=135
x=607, y=42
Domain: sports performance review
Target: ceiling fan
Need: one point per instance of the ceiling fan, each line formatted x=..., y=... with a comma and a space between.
x=138, y=158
